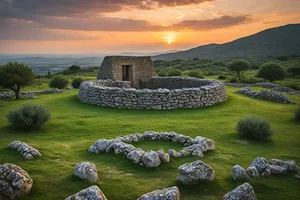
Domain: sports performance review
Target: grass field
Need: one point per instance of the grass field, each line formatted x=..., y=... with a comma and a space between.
x=74, y=126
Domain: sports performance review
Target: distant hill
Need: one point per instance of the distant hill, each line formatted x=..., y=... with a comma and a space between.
x=277, y=41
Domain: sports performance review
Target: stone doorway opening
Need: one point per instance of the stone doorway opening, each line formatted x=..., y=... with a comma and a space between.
x=126, y=72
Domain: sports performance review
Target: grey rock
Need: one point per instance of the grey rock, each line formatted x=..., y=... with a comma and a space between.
x=151, y=159
x=260, y=163
x=136, y=155
x=25, y=150
x=14, y=182
x=238, y=173
x=242, y=192
x=91, y=193
x=290, y=165
x=164, y=157
x=171, y=193
x=211, y=144
x=275, y=169
x=100, y=145
x=191, y=173
x=252, y=172
x=86, y=171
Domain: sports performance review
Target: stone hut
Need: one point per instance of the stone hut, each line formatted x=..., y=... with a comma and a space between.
x=127, y=68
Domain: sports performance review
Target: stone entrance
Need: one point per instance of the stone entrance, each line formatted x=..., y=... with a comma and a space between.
x=126, y=73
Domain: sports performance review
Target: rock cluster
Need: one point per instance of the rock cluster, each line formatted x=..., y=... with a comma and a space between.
x=50, y=91
x=86, y=171
x=121, y=145
x=171, y=193
x=90, y=193
x=191, y=173
x=242, y=192
x=261, y=168
x=6, y=95
x=265, y=94
x=25, y=150
x=204, y=93
x=23, y=95
x=14, y=182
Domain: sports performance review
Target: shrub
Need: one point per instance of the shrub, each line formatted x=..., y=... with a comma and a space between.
x=59, y=82
x=162, y=72
x=76, y=82
x=195, y=73
x=297, y=114
x=252, y=80
x=295, y=70
x=28, y=116
x=222, y=77
x=232, y=80
x=272, y=72
x=254, y=128
x=174, y=72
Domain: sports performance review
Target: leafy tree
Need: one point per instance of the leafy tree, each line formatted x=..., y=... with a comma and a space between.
x=239, y=66
x=271, y=72
x=295, y=70
x=74, y=69
x=15, y=76
x=59, y=82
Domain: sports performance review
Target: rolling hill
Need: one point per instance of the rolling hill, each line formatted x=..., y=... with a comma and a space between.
x=277, y=41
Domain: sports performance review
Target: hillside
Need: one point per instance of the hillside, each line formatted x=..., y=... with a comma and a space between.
x=277, y=41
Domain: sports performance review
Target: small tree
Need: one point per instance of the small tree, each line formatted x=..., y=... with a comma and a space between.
x=15, y=76
x=74, y=69
x=239, y=66
x=271, y=72
x=59, y=82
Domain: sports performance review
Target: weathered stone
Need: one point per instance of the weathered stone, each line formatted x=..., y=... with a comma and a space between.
x=14, y=182
x=242, y=192
x=100, y=145
x=171, y=193
x=260, y=163
x=91, y=193
x=191, y=173
x=164, y=157
x=136, y=155
x=277, y=169
x=238, y=173
x=25, y=150
x=86, y=171
x=290, y=165
x=252, y=172
x=210, y=144
x=151, y=159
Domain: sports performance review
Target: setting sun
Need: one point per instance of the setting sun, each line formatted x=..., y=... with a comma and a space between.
x=170, y=37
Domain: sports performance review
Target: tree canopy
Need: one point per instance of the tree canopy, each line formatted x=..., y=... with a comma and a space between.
x=239, y=66
x=271, y=72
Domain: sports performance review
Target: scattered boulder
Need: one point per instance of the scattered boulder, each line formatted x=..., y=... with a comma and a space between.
x=290, y=165
x=164, y=157
x=238, y=173
x=171, y=193
x=191, y=173
x=242, y=192
x=260, y=163
x=100, y=146
x=151, y=159
x=25, y=150
x=86, y=171
x=14, y=182
x=277, y=169
x=136, y=155
x=91, y=193
x=252, y=172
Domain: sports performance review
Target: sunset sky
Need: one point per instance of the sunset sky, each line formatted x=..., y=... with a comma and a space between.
x=114, y=26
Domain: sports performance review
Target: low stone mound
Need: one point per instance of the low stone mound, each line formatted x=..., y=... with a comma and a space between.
x=242, y=192
x=121, y=145
x=261, y=168
x=86, y=171
x=90, y=193
x=266, y=95
x=50, y=91
x=14, y=182
x=171, y=193
x=25, y=150
x=194, y=172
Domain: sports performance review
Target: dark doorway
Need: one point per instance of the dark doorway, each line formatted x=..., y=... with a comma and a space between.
x=126, y=73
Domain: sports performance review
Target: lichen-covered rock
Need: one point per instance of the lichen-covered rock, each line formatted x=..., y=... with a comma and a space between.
x=136, y=155
x=290, y=165
x=100, y=146
x=14, y=182
x=25, y=150
x=191, y=173
x=171, y=193
x=91, y=193
x=164, y=157
x=86, y=171
x=151, y=159
x=242, y=192
x=260, y=163
x=277, y=169
x=238, y=173
x=211, y=144
x=252, y=172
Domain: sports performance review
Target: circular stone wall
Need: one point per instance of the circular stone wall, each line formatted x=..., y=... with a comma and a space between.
x=158, y=93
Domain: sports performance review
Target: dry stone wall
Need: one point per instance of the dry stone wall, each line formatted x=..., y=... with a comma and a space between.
x=158, y=93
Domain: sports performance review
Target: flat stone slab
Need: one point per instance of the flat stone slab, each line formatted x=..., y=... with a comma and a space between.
x=25, y=150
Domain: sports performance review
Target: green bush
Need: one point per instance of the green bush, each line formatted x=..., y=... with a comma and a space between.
x=295, y=70
x=195, y=73
x=297, y=114
x=174, y=72
x=28, y=116
x=271, y=72
x=163, y=72
x=232, y=80
x=222, y=77
x=254, y=128
x=76, y=82
x=252, y=80
x=59, y=82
